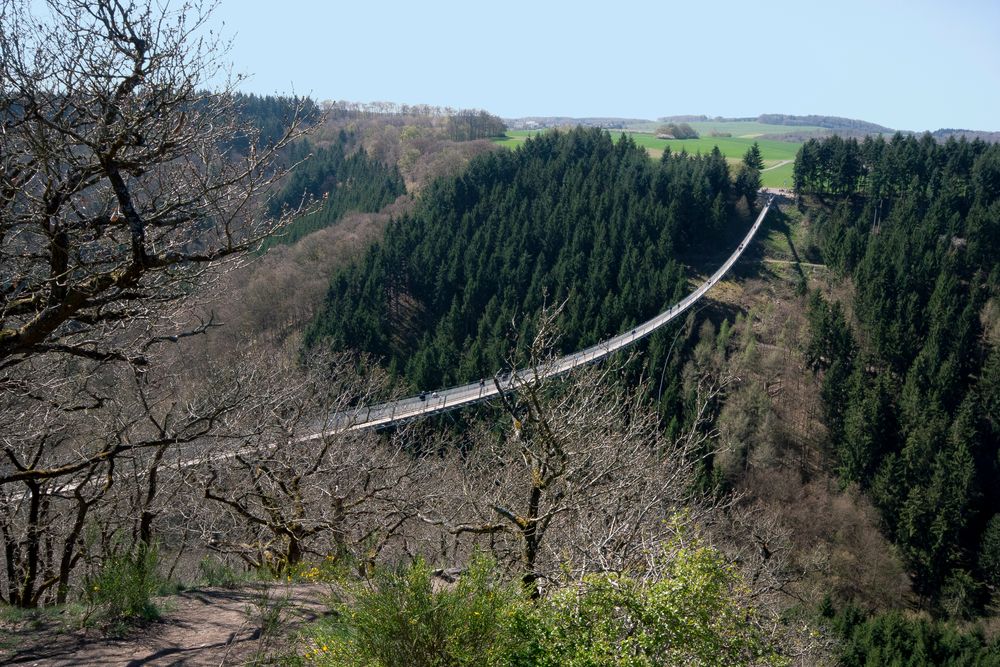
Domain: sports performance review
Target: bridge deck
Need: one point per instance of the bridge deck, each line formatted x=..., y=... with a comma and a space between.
x=452, y=398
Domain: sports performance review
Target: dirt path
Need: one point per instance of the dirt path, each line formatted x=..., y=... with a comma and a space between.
x=206, y=626
x=775, y=166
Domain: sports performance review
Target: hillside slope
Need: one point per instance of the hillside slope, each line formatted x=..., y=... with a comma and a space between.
x=571, y=217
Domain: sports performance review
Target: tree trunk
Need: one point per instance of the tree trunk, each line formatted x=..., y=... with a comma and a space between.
x=25, y=596
x=529, y=532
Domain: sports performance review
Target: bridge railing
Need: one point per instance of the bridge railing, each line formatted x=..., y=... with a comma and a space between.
x=446, y=398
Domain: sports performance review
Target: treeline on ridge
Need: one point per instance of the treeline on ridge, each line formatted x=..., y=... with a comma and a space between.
x=912, y=394
x=573, y=217
x=829, y=122
x=471, y=125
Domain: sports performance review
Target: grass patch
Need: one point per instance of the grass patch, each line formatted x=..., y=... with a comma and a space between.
x=218, y=574
x=52, y=620
x=774, y=152
x=731, y=147
x=780, y=177
x=514, y=138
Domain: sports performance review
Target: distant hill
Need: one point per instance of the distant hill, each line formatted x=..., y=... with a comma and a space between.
x=800, y=128
x=539, y=122
x=689, y=118
x=829, y=122
x=826, y=122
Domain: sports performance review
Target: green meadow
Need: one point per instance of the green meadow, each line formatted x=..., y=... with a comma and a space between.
x=739, y=128
x=779, y=176
x=731, y=147
x=774, y=152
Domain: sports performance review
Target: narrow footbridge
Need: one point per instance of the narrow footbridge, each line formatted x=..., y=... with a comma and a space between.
x=429, y=403
x=443, y=400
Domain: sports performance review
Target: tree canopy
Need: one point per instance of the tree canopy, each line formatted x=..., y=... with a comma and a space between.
x=114, y=176
x=916, y=224
x=570, y=216
x=122, y=188
x=334, y=179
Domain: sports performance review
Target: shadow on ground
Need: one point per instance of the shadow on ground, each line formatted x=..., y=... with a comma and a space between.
x=198, y=627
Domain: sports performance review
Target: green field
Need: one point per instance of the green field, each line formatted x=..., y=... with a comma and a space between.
x=779, y=177
x=731, y=147
x=773, y=152
x=515, y=138
x=750, y=128
x=737, y=128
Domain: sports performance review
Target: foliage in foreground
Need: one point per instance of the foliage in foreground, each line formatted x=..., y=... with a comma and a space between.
x=121, y=592
x=691, y=613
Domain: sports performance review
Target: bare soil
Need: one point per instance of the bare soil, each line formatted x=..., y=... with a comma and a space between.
x=205, y=626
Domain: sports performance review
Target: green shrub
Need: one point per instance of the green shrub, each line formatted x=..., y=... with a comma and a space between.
x=121, y=592
x=330, y=570
x=695, y=614
x=216, y=573
x=401, y=620
x=692, y=615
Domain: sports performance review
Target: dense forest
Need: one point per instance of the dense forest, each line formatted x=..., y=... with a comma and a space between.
x=574, y=217
x=896, y=638
x=270, y=116
x=334, y=179
x=911, y=370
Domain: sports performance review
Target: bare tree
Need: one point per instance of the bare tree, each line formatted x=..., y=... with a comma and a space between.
x=306, y=483
x=89, y=454
x=582, y=481
x=119, y=195
x=117, y=186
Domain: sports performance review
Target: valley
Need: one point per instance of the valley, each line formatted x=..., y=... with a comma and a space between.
x=303, y=381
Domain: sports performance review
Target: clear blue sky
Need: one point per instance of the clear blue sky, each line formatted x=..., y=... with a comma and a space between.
x=915, y=65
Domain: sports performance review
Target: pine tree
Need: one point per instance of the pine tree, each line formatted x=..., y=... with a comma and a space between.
x=753, y=159
x=868, y=427
x=989, y=553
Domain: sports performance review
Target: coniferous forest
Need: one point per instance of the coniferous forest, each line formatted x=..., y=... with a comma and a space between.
x=271, y=117
x=572, y=217
x=911, y=380
x=330, y=181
